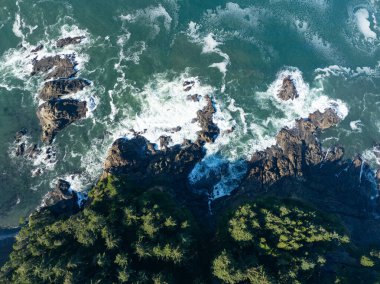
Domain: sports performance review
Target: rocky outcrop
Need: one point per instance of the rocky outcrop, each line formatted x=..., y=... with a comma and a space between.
x=324, y=120
x=296, y=150
x=141, y=162
x=58, y=66
x=55, y=115
x=69, y=40
x=210, y=130
x=288, y=90
x=61, y=87
x=62, y=200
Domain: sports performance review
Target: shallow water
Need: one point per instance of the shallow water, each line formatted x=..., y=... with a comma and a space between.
x=138, y=53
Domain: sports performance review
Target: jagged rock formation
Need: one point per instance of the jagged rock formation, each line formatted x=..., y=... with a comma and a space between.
x=55, y=115
x=324, y=120
x=209, y=130
x=62, y=200
x=69, y=40
x=288, y=90
x=297, y=167
x=296, y=149
x=61, y=87
x=58, y=66
x=141, y=161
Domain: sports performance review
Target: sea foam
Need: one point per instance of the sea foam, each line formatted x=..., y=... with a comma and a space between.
x=364, y=24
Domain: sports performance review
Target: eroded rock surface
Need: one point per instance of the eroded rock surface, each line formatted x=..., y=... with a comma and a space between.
x=288, y=90
x=61, y=87
x=55, y=115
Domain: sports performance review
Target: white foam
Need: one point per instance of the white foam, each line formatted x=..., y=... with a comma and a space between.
x=164, y=106
x=372, y=156
x=336, y=70
x=356, y=125
x=16, y=28
x=150, y=16
x=210, y=45
x=226, y=174
x=309, y=100
x=364, y=25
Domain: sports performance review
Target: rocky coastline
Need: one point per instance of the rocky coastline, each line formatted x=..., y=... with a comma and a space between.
x=297, y=167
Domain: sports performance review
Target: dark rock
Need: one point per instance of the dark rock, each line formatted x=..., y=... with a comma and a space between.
x=140, y=162
x=194, y=98
x=296, y=150
x=69, y=40
x=187, y=85
x=20, y=151
x=176, y=129
x=55, y=115
x=171, y=130
x=58, y=66
x=62, y=200
x=288, y=90
x=33, y=151
x=57, y=88
x=209, y=130
x=38, y=48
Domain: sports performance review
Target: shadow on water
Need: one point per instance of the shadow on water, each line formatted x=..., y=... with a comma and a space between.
x=7, y=239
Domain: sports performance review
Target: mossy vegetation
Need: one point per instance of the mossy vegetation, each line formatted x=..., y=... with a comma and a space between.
x=127, y=234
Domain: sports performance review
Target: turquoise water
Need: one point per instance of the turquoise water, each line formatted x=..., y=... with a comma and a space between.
x=139, y=53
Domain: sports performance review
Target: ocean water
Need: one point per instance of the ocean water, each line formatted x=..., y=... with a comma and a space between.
x=137, y=54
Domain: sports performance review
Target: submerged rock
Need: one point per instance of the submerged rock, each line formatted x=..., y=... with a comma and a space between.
x=69, y=40
x=57, y=88
x=288, y=90
x=55, y=115
x=58, y=66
